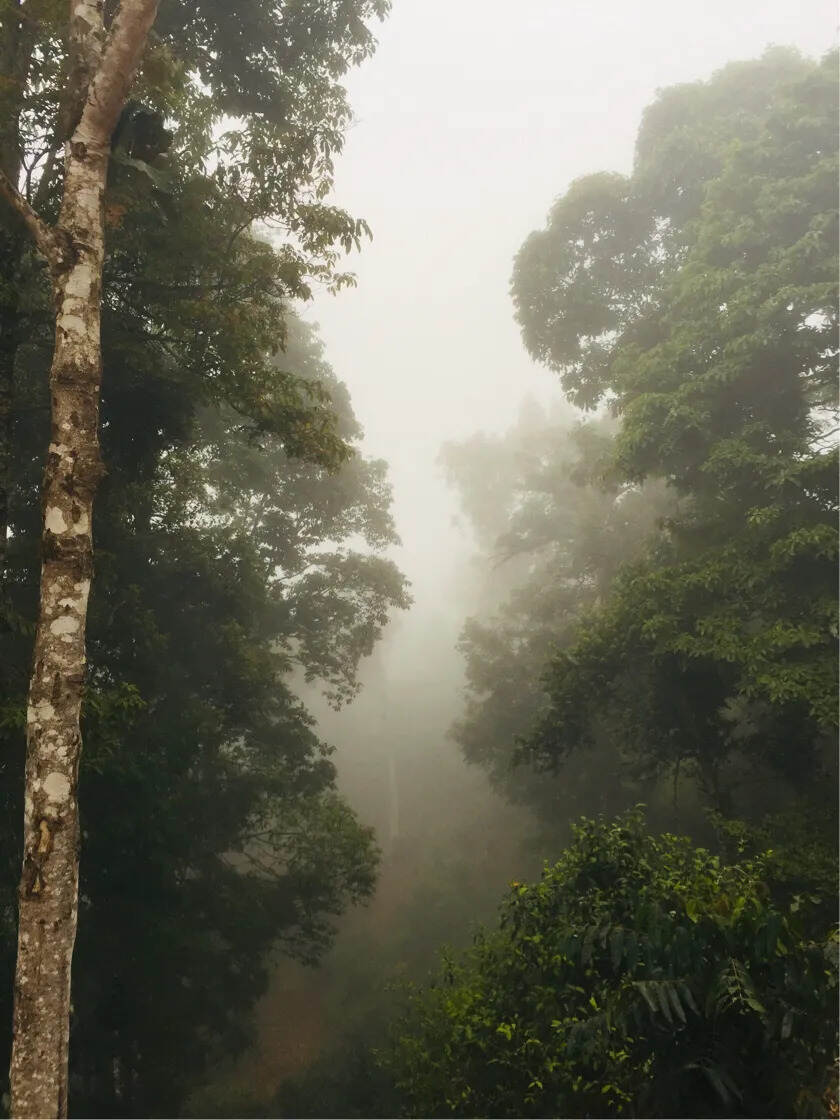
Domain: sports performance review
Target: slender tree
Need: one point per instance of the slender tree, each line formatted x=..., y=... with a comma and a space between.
x=103, y=64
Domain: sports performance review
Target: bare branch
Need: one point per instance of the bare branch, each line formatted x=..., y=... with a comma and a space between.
x=43, y=235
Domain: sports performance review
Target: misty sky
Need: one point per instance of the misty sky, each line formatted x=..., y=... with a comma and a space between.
x=472, y=116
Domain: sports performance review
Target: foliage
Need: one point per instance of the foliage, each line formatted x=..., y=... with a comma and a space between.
x=211, y=829
x=612, y=242
x=254, y=114
x=553, y=528
x=698, y=297
x=641, y=976
x=238, y=533
x=252, y=102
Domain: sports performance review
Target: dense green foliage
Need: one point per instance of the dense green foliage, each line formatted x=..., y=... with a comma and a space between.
x=211, y=828
x=251, y=135
x=658, y=621
x=238, y=534
x=698, y=297
x=553, y=534
x=641, y=976
x=663, y=614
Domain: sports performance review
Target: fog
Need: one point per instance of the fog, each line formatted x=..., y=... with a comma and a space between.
x=470, y=119
x=418, y=651
x=472, y=116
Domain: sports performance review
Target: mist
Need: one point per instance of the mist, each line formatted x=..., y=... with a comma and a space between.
x=469, y=120
x=459, y=717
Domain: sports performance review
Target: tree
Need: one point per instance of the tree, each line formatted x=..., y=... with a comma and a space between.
x=554, y=530
x=91, y=60
x=101, y=73
x=203, y=775
x=598, y=267
x=641, y=976
x=698, y=297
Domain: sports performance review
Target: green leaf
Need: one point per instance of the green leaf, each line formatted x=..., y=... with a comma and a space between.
x=719, y=1083
x=661, y=990
x=675, y=1002
x=689, y=999
x=162, y=180
x=616, y=946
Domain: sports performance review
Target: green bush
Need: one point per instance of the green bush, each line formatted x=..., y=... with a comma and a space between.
x=642, y=976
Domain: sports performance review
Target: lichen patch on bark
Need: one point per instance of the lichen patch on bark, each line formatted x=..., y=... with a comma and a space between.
x=66, y=624
x=72, y=324
x=54, y=520
x=56, y=786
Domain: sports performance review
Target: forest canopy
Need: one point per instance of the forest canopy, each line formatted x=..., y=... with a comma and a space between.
x=197, y=558
x=707, y=321
x=239, y=533
x=662, y=622
x=641, y=976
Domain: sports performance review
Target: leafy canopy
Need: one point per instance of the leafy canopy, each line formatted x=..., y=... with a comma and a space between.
x=553, y=532
x=641, y=976
x=698, y=297
x=213, y=831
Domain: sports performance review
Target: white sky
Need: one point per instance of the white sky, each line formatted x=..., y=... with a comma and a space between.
x=471, y=118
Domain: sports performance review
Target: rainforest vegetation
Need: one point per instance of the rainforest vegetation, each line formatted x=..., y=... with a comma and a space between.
x=671, y=624
x=588, y=862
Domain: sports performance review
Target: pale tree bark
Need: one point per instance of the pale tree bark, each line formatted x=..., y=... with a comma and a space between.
x=103, y=64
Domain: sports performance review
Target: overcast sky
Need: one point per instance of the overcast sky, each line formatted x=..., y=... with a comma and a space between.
x=472, y=116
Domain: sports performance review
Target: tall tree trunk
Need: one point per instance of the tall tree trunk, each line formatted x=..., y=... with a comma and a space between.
x=102, y=68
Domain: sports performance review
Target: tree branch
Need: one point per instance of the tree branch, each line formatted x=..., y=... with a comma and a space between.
x=115, y=73
x=45, y=182
x=44, y=236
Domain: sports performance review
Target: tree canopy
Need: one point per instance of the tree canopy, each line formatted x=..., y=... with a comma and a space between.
x=657, y=616
x=641, y=976
x=239, y=531
x=553, y=532
x=212, y=828
x=701, y=305
x=693, y=303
